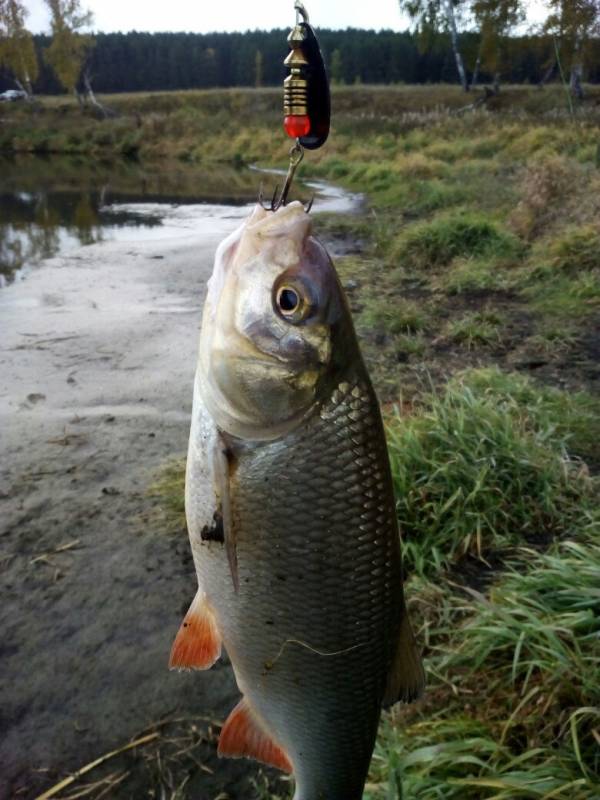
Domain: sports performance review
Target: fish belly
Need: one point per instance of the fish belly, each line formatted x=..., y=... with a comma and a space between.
x=312, y=630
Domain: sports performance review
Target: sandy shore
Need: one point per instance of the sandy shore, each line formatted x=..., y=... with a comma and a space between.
x=97, y=354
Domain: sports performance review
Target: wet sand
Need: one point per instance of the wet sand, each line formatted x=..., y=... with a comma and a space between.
x=97, y=355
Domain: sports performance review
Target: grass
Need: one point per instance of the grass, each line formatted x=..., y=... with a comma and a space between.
x=478, y=471
x=437, y=242
x=395, y=315
x=168, y=489
x=475, y=328
x=531, y=729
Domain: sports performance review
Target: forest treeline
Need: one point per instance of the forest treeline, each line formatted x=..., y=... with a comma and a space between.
x=136, y=61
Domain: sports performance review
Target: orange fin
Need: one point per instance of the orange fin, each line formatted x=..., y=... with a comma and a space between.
x=198, y=641
x=406, y=679
x=242, y=736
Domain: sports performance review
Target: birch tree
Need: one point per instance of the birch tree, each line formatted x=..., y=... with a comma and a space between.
x=17, y=50
x=70, y=45
x=495, y=20
x=428, y=15
x=572, y=23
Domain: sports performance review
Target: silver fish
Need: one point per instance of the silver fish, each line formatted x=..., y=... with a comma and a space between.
x=291, y=515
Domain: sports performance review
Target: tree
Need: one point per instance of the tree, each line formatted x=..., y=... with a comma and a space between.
x=258, y=69
x=70, y=47
x=336, y=68
x=573, y=23
x=430, y=16
x=17, y=49
x=495, y=20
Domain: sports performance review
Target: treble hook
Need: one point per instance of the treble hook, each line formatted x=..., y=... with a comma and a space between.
x=296, y=156
x=300, y=11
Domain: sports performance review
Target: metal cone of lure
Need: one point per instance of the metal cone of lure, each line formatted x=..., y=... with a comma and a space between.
x=295, y=88
x=291, y=515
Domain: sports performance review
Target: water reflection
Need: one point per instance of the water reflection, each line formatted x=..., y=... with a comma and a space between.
x=50, y=204
x=32, y=227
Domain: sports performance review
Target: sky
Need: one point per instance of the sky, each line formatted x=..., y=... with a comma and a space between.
x=229, y=15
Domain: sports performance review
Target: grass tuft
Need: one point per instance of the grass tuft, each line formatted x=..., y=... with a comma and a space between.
x=576, y=250
x=475, y=328
x=514, y=687
x=395, y=316
x=169, y=490
x=436, y=243
x=476, y=471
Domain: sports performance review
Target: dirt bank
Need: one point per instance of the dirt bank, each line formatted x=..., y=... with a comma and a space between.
x=97, y=354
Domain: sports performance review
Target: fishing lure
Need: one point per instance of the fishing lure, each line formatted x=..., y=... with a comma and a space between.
x=306, y=97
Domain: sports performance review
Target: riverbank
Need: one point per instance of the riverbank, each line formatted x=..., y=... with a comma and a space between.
x=244, y=126
x=97, y=359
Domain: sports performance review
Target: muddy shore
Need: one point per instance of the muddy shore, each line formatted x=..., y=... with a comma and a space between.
x=97, y=356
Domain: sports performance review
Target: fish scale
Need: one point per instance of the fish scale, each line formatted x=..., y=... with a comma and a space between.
x=340, y=569
x=291, y=515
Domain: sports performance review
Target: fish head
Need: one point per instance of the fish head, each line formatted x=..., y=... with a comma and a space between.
x=275, y=325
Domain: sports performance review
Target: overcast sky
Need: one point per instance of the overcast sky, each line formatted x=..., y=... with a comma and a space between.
x=229, y=15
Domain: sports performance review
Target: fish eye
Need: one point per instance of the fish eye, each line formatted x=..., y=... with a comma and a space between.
x=291, y=302
x=288, y=300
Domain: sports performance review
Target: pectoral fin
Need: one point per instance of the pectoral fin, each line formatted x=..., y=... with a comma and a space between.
x=198, y=641
x=242, y=736
x=222, y=473
x=406, y=680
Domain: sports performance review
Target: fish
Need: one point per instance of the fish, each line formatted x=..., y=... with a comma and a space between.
x=291, y=515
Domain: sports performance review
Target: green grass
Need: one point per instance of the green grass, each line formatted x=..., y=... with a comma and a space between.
x=478, y=470
x=168, y=488
x=394, y=315
x=475, y=328
x=515, y=711
x=436, y=243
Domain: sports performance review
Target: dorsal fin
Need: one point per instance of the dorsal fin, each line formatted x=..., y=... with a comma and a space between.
x=242, y=736
x=198, y=641
x=406, y=679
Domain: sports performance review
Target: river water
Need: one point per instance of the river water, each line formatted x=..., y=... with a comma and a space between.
x=50, y=206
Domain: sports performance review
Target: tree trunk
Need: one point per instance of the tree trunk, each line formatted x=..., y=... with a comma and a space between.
x=454, y=37
x=23, y=88
x=91, y=97
x=547, y=75
x=475, y=77
x=496, y=83
x=25, y=84
x=577, y=70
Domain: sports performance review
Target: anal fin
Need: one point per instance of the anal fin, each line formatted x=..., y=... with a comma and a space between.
x=242, y=736
x=198, y=641
x=406, y=679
